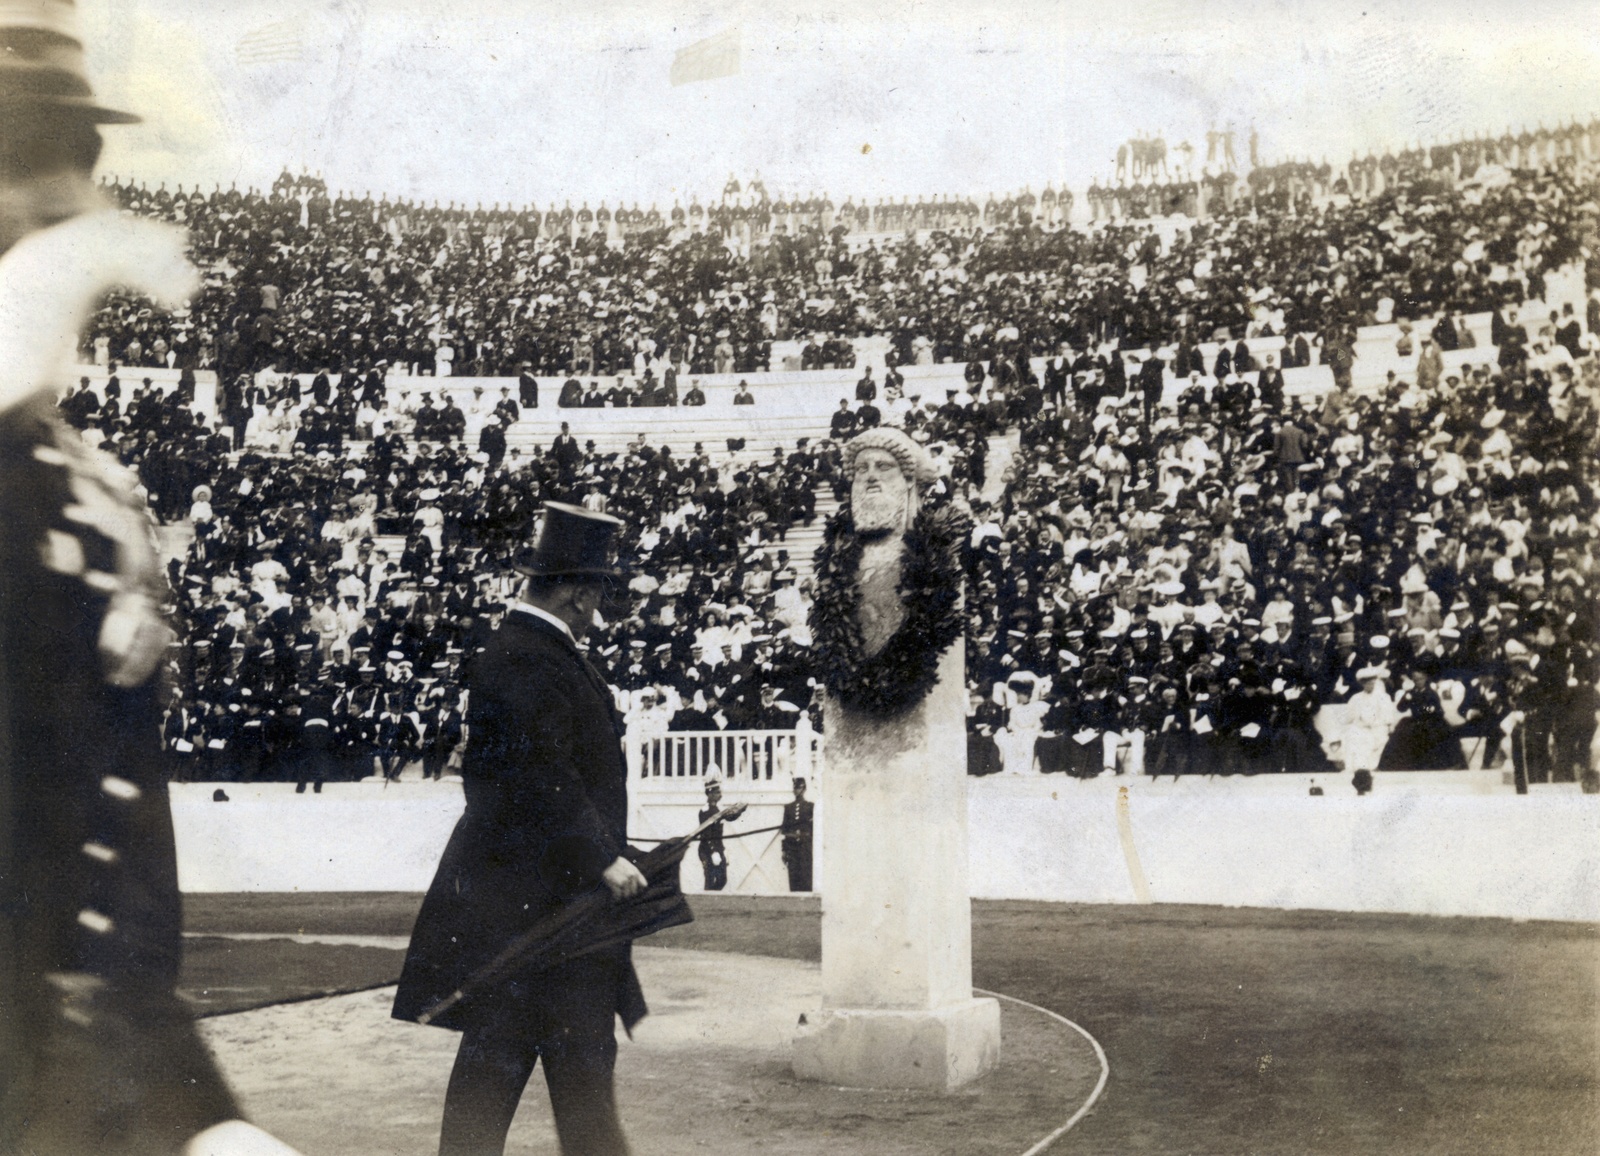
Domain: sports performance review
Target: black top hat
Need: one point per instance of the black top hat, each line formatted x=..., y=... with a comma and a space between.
x=41, y=63
x=571, y=542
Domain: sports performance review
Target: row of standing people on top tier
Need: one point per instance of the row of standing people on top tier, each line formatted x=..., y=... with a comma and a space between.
x=756, y=211
x=749, y=206
x=887, y=215
x=1142, y=155
x=1194, y=196
x=1191, y=198
x=1287, y=184
x=1371, y=175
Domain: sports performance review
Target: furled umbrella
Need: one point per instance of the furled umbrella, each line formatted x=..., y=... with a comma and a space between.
x=594, y=921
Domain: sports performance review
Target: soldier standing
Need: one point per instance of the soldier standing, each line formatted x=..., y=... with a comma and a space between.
x=796, y=831
x=713, y=857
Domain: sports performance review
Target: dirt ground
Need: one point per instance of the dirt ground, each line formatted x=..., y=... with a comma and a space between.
x=1228, y=1030
x=707, y=1071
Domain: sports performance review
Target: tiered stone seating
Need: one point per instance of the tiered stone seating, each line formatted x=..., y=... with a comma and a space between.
x=792, y=404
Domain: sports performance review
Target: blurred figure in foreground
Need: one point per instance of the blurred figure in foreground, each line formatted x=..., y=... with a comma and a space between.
x=98, y=1056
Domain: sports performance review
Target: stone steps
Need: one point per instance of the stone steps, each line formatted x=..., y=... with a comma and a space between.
x=1002, y=449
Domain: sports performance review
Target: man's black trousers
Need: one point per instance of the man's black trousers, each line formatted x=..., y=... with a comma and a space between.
x=570, y=1026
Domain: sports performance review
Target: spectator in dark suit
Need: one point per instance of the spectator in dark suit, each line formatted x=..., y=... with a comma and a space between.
x=546, y=819
x=1151, y=381
x=1269, y=385
x=843, y=423
x=1445, y=335
x=866, y=388
x=1513, y=343
x=1568, y=331
x=567, y=455
x=1289, y=447
x=492, y=441
x=507, y=405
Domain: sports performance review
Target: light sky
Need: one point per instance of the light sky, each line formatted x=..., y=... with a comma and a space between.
x=521, y=100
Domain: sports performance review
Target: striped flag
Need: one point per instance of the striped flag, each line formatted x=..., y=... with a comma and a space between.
x=271, y=44
x=709, y=59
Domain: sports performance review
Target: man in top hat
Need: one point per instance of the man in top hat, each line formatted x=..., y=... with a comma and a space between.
x=546, y=820
x=97, y=1053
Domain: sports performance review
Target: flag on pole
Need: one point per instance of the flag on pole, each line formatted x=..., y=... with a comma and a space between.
x=271, y=44
x=709, y=59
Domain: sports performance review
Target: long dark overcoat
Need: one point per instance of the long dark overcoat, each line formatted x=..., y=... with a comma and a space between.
x=547, y=812
x=97, y=1052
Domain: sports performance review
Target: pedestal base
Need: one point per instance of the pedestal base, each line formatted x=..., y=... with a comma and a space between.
x=940, y=1049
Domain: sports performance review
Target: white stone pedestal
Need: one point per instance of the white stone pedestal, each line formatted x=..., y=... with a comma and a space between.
x=898, y=1009
x=941, y=1048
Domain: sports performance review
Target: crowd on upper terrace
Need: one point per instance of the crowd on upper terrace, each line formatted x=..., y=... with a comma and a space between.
x=1289, y=185
x=303, y=281
x=1180, y=576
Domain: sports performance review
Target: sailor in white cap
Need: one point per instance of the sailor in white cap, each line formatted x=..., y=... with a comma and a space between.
x=713, y=855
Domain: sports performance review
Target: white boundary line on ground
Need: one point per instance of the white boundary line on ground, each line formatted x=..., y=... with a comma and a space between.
x=392, y=942
x=1100, y=1054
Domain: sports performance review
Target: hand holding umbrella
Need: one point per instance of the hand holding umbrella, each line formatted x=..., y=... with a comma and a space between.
x=632, y=900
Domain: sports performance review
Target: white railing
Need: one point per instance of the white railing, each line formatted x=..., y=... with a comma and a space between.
x=771, y=756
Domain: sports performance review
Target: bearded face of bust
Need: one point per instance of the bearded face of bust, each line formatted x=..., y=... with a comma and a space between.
x=880, y=494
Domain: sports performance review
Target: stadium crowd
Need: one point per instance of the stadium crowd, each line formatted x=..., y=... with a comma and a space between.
x=330, y=597
x=334, y=584
x=303, y=281
x=1159, y=589
x=1171, y=590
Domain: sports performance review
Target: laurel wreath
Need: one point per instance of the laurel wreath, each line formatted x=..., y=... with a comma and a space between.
x=900, y=675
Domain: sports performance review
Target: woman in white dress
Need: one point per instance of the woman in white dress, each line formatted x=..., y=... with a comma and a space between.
x=1370, y=717
x=279, y=427
x=258, y=431
x=1024, y=699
